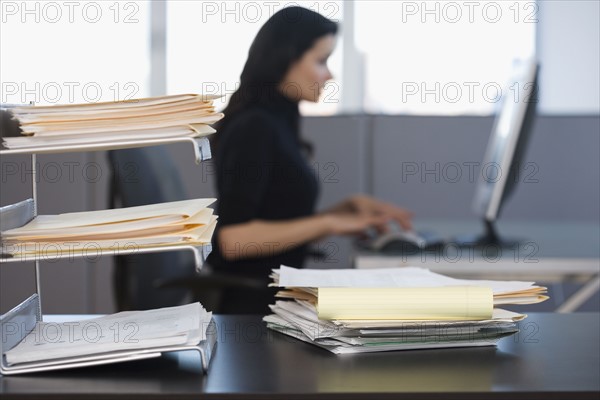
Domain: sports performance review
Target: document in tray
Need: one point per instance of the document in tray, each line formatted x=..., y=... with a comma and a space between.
x=164, y=117
x=182, y=115
x=112, y=105
x=173, y=223
x=192, y=130
x=125, y=126
x=114, y=246
x=28, y=117
x=114, y=220
x=104, y=337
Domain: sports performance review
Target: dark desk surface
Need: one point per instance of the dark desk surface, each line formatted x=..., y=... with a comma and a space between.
x=554, y=356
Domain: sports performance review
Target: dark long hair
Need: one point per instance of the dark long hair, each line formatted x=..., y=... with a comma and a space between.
x=281, y=41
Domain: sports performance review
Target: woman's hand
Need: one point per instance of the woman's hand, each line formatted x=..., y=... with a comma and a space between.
x=369, y=206
x=352, y=223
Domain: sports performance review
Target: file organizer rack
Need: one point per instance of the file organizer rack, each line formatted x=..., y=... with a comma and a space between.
x=200, y=146
x=28, y=313
x=21, y=320
x=19, y=214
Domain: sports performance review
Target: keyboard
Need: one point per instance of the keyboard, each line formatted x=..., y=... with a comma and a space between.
x=400, y=240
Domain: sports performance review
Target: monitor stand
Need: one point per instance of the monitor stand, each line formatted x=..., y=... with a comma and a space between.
x=489, y=239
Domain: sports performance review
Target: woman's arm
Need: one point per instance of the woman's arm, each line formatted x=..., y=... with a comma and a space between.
x=259, y=238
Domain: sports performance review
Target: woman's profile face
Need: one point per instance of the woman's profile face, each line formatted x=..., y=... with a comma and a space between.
x=307, y=76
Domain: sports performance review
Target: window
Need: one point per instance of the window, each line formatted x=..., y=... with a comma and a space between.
x=411, y=57
x=440, y=57
x=208, y=42
x=71, y=52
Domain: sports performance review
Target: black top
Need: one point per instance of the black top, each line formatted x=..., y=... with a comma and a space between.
x=261, y=173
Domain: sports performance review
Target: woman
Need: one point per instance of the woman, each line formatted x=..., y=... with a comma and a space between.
x=265, y=189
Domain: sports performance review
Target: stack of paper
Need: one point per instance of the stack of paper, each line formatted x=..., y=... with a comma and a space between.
x=354, y=311
x=165, y=117
x=164, y=224
x=112, y=337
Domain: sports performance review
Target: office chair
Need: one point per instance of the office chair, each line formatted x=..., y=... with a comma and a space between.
x=148, y=175
x=142, y=176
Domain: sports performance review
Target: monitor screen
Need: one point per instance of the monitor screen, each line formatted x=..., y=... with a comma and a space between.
x=509, y=137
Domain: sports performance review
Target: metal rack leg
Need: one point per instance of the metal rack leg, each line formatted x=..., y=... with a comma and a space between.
x=581, y=296
x=38, y=286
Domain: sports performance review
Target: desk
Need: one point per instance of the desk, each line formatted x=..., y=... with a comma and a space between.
x=549, y=252
x=555, y=356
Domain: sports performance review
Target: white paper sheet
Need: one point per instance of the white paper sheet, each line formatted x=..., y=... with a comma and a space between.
x=386, y=277
x=123, y=331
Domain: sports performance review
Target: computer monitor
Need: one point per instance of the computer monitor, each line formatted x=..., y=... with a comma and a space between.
x=502, y=163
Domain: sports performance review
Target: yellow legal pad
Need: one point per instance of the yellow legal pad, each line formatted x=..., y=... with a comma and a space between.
x=448, y=303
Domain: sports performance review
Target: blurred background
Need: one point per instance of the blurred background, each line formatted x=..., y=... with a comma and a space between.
x=416, y=86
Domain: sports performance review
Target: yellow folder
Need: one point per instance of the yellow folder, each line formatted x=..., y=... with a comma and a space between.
x=429, y=303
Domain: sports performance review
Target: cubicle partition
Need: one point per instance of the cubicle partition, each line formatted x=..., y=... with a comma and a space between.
x=425, y=163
